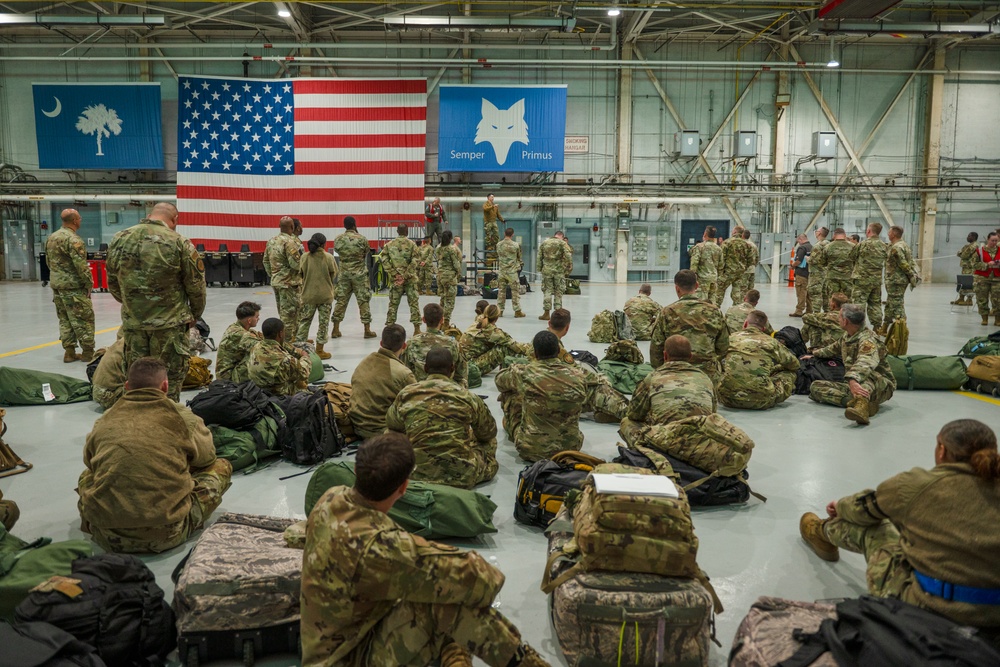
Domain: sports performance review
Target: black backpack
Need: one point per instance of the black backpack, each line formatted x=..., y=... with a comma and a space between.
x=585, y=356
x=813, y=369
x=119, y=610
x=713, y=491
x=43, y=645
x=311, y=434
x=791, y=338
x=235, y=406
x=542, y=488
x=884, y=632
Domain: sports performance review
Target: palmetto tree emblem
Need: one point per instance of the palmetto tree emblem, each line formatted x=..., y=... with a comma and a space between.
x=99, y=120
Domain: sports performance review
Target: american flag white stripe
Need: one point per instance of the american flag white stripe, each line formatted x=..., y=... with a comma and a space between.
x=271, y=211
x=348, y=101
x=320, y=181
x=353, y=127
x=356, y=155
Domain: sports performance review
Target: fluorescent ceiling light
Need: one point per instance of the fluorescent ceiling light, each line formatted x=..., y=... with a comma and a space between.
x=84, y=19
x=564, y=24
x=614, y=11
x=284, y=13
x=833, y=62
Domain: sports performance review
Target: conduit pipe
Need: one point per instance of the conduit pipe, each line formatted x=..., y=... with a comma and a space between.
x=571, y=199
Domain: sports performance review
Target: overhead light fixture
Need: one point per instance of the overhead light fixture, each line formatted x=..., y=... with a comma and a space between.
x=833, y=62
x=614, y=11
x=47, y=20
x=506, y=23
x=284, y=13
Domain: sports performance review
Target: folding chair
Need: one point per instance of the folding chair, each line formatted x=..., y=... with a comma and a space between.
x=963, y=283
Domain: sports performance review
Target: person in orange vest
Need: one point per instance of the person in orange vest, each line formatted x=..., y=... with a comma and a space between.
x=986, y=283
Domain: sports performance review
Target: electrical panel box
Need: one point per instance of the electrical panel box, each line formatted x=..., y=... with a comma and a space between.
x=745, y=143
x=687, y=143
x=824, y=144
x=649, y=247
x=785, y=243
x=19, y=249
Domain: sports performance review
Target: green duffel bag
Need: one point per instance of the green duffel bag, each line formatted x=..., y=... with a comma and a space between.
x=432, y=511
x=923, y=371
x=317, y=373
x=247, y=450
x=623, y=376
x=981, y=345
x=19, y=386
x=24, y=565
x=475, y=376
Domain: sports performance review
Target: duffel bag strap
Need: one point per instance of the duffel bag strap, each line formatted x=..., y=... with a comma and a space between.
x=910, y=375
x=572, y=457
x=743, y=478
x=716, y=602
x=548, y=583
x=701, y=481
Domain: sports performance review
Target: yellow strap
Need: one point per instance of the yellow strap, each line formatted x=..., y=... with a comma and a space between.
x=621, y=642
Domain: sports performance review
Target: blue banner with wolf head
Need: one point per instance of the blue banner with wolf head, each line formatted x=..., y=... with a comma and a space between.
x=502, y=128
x=98, y=126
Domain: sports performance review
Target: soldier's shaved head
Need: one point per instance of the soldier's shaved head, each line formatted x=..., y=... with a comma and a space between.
x=895, y=232
x=686, y=281
x=166, y=213
x=646, y=289
x=546, y=345
x=433, y=314
x=972, y=237
x=752, y=297
x=738, y=232
x=286, y=225
x=439, y=361
x=875, y=228
x=393, y=337
x=382, y=465
x=146, y=373
x=840, y=233
x=677, y=348
x=70, y=217
x=272, y=328
x=560, y=235
x=757, y=318
x=402, y=229
x=822, y=232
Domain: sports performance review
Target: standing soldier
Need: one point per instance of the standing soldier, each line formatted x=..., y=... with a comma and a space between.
x=425, y=266
x=449, y=260
x=967, y=256
x=838, y=263
x=736, y=257
x=869, y=262
x=159, y=278
x=399, y=259
x=817, y=271
x=281, y=261
x=553, y=256
x=434, y=213
x=641, y=312
x=706, y=259
x=491, y=213
x=987, y=280
x=353, y=250
x=71, y=284
x=510, y=264
x=319, y=273
x=900, y=271
x=750, y=277
x=802, y=267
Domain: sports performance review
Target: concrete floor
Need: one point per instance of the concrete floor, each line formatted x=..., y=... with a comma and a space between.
x=806, y=454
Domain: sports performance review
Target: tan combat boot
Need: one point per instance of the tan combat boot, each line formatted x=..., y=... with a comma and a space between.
x=416, y=328
x=87, y=355
x=336, y=331
x=321, y=353
x=530, y=658
x=811, y=530
x=544, y=316
x=858, y=410
x=519, y=313
x=986, y=320
x=453, y=655
x=70, y=355
x=368, y=331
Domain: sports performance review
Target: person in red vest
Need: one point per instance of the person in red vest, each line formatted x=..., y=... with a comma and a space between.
x=435, y=215
x=986, y=283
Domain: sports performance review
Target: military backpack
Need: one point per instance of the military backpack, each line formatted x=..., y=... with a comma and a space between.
x=702, y=489
x=543, y=485
x=311, y=434
x=897, y=340
x=981, y=345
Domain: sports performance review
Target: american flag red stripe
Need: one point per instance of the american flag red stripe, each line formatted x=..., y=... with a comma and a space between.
x=358, y=149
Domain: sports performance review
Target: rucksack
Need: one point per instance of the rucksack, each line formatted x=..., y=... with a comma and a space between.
x=199, y=337
x=311, y=434
x=475, y=377
x=43, y=645
x=712, y=492
x=981, y=345
x=584, y=356
x=247, y=449
x=235, y=406
x=623, y=326
x=876, y=632
x=92, y=366
x=791, y=338
x=985, y=367
x=813, y=369
x=10, y=463
x=339, y=395
x=626, y=351
x=111, y=602
x=542, y=486
x=622, y=375
x=897, y=340
x=707, y=442
x=199, y=373
x=602, y=328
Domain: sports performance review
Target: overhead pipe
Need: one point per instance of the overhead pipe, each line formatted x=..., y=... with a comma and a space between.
x=532, y=199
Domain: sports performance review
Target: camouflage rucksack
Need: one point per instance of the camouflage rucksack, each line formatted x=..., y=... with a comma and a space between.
x=626, y=351
x=199, y=373
x=708, y=442
x=602, y=328
x=339, y=395
x=897, y=340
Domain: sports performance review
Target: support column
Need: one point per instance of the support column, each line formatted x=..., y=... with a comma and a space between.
x=621, y=257
x=779, y=157
x=624, y=166
x=932, y=161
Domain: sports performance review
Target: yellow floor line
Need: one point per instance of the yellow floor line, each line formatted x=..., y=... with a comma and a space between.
x=979, y=397
x=44, y=345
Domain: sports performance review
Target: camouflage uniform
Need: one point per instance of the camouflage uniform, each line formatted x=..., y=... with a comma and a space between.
x=232, y=361
x=448, y=271
x=821, y=329
x=425, y=267
x=758, y=371
x=553, y=256
x=278, y=368
x=606, y=399
x=736, y=257
x=818, y=296
x=737, y=316
x=839, y=266
x=673, y=391
x=282, y=258
x=641, y=312
x=890, y=526
x=987, y=288
x=967, y=259
x=551, y=395
x=864, y=360
x=750, y=277
x=375, y=383
x=399, y=259
x=706, y=260
x=71, y=283
x=900, y=272
x=491, y=232
x=109, y=378
x=453, y=433
x=159, y=278
x=149, y=493
x=319, y=273
x=9, y=513
x=352, y=249
x=374, y=595
x=701, y=323
x=415, y=355
x=509, y=265
x=488, y=346
x=869, y=262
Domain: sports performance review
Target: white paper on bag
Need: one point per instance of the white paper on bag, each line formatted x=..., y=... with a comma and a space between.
x=47, y=392
x=635, y=485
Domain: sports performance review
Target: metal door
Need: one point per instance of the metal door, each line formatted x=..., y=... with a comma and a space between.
x=19, y=249
x=525, y=236
x=579, y=239
x=693, y=230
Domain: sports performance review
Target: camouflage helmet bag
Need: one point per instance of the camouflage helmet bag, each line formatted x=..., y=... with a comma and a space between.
x=602, y=328
x=708, y=442
x=626, y=351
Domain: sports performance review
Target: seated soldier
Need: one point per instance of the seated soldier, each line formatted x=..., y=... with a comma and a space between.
x=868, y=380
x=542, y=401
x=487, y=345
x=559, y=322
x=758, y=372
x=737, y=315
x=641, y=312
x=929, y=537
x=152, y=477
x=109, y=378
x=275, y=366
x=232, y=360
x=377, y=381
x=375, y=595
x=673, y=391
x=452, y=430
x=415, y=355
x=822, y=329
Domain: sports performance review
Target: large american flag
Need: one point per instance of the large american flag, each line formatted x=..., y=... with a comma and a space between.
x=253, y=150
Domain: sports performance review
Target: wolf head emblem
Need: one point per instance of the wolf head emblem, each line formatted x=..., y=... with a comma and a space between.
x=502, y=127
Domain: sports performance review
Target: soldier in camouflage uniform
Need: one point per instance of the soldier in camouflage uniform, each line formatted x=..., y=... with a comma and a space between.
x=869, y=263
x=486, y=344
x=758, y=371
x=452, y=431
x=987, y=281
x=822, y=329
x=282, y=257
x=109, y=378
x=838, y=264
x=737, y=256
x=509, y=266
x=553, y=256
x=675, y=390
x=415, y=354
x=900, y=272
x=374, y=595
x=449, y=269
x=701, y=322
x=71, y=284
x=737, y=315
x=641, y=312
x=425, y=266
x=750, y=277
x=399, y=259
x=274, y=365
x=232, y=360
x=319, y=273
x=159, y=278
x=352, y=249
x=868, y=381
x=967, y=258
x=818, y=295
x=148, y=493
x=491, y=232
x=706, y=260
x=550, y=395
